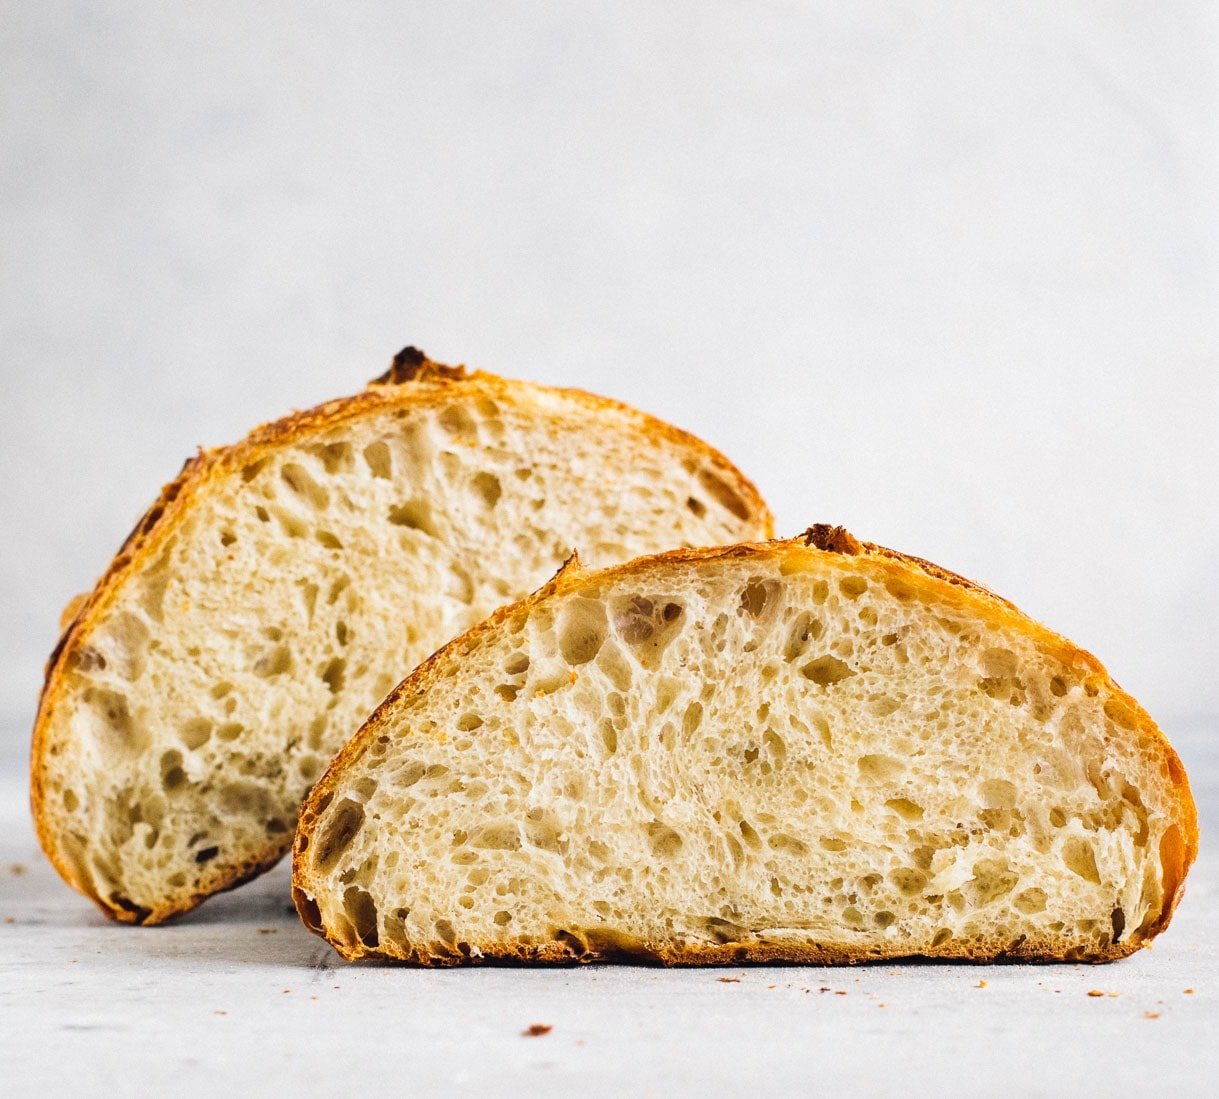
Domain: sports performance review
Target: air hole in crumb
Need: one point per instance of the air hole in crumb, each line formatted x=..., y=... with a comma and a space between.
x=908, y=881
x=248, y=473
x=723, y=493
x=329, y=539
x=70, y=801
x=488, y=489
x=696, y=506
x=664, y=841
x=339, y=829
x=172, y=774
x=782, y=842
x=582, y=628
x=333, y=674
x=517, y=664
x=379, y=460
x=297, y=478
x=275, y=661
x=827, y=670
x=334, y=456
x=905, y=808
x=609, y=736
x=759, y=597
x=1080, y=858
x=458, y=422
x=467, y=723
x=415, y=515
x=880, y=767
x=227, y=538
x=502, y=918
x=502, y=836
x=362, y=912
x=1030, y=901
x=852, y=586
x=195, y=733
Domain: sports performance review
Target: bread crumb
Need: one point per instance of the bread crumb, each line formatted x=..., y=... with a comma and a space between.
x=536, y=1030
x=772, y=986
x=219, y=1012
x=286, y=991
x=1189, y=992
x=840, y=992
x=981, y=984
x=1095, y=992
x=10, y=919
x=267, y=930
x=1151, y=1014
x=729, y=980
x=17, y=869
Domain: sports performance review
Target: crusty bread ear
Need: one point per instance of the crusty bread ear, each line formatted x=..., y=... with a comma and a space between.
x=813, y=751
x=279, y=587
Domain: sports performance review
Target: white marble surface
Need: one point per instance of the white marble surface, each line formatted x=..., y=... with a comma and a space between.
x=238, y=999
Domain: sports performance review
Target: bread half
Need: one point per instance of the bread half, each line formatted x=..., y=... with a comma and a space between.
x=280, y=587
x=809, y=751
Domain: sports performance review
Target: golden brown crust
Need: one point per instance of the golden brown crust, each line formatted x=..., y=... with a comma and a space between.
x=412, y=380
x=922, y=579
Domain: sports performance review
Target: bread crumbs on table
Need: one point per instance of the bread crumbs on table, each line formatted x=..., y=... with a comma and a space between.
x=840, y=992
x=1151, y=1014
x=267, y=930
x=980, y=984
x=772, y=986
x=17, y=869
x=729, y=980
x=1095, y=992
x=219, y=1012
x=1189, y=992
x=536, y=1030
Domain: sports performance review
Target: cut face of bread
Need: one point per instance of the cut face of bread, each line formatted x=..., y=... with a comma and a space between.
x=282, y=586
x=811, y=750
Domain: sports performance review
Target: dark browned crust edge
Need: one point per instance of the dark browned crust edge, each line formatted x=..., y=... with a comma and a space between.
x=936, y=583
x=412, y=379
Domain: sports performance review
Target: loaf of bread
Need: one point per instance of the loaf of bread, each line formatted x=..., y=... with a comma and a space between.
x=280, y=587
x=811, y=751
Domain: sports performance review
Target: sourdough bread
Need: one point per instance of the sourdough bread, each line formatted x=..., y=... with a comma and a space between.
x=813, y=751
x=280, y=587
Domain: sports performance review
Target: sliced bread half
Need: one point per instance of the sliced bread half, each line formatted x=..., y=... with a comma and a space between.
x=814, y=750
x=280, y=587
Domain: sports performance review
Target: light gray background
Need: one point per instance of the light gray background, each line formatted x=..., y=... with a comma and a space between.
x=948, y=274
x=945, y=273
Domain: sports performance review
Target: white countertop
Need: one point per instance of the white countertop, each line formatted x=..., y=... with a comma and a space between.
x=238, y=998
